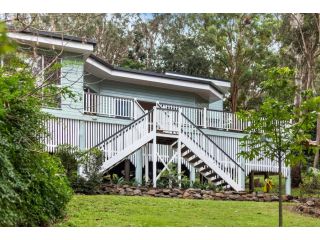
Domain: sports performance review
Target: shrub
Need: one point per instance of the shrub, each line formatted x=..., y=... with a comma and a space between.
x=34, y=190
x=169, y=178
x=70, y=157
x=311, y=182
x=91, y=178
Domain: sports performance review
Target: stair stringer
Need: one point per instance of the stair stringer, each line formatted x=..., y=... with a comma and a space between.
x=110, y=163
x=208, y=161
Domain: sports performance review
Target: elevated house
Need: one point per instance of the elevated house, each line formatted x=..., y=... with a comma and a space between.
x=144, y=118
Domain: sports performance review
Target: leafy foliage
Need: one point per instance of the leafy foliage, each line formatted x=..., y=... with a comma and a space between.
x=279, y=130
x=33, y=188
x=311, y=182
x=169, y=177
x=91, y=178
x=70, y=157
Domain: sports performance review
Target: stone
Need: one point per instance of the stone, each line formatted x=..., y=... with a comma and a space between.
x=129, y=190
x=197, y=196
x=186, y=195
x=125, y=186
x=137, y=192
x=228, y=192
x=220, y=195
x=242, y=193
x=151, y=192
x=166, y=191
x=274, y=198
x=172, y=194
x=206, y=196
x=310, y=203
x=260, y=195
x=234, y=197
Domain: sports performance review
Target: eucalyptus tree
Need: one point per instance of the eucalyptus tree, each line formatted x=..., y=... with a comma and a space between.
x=241, y=45
x=301, y=47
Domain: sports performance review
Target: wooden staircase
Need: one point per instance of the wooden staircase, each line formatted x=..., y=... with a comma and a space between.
x=173, y=127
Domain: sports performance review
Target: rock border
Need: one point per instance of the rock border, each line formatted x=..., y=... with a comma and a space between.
x=191, y=193
x=309, y=206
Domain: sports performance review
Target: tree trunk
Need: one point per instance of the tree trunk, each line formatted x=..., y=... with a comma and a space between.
x=316, y=157
x=127, y=170
x=296, y=176
x=251, y=182
x=234, y=95
x=280, y=190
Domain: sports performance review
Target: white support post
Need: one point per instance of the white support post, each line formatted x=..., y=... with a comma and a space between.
x=82, y=142
x=192, y=175
x=288, y=182
x=146, y=165
x=135, y=108
x=138, y=172
x=205, y=117
x=154, y=148
x=242, y=174
x=179, y=146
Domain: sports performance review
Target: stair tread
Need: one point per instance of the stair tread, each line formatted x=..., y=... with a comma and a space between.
x=217, y=180
x=188, y=155
x=198, y=165
x=211, y=175
x=204, y=170
x=193, y=160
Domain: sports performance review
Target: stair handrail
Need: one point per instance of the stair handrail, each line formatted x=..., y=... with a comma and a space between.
x=139, y=106
x=212, y=141
x=122, y=129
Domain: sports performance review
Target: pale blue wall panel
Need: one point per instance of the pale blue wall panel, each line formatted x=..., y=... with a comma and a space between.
x=146, y=93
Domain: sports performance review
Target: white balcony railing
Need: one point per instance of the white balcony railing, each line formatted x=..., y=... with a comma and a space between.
x=208, y=118
x=112, y=106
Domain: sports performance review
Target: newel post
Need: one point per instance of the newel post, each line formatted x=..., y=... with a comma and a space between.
x=134, y=109
x=82, y=143
x=154, y=148
x=179, y=145
x=205, y=117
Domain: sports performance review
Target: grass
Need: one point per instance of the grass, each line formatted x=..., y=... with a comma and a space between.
x=108, y=210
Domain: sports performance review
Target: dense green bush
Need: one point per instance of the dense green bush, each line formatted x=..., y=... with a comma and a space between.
x=33, y=187
x=70, y=157
x=91, y=177
x=311, y=182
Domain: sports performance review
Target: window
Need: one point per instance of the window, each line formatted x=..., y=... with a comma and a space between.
x=46, y=67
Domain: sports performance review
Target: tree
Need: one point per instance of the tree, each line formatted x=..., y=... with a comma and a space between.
x=239, y=44
x=301, y=48
x=278, y=131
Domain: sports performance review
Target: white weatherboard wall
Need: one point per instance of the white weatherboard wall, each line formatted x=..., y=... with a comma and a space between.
x=72, y=76
x=146, y=93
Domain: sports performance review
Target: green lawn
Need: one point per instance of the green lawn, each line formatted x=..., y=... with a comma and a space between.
x=107, y=210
